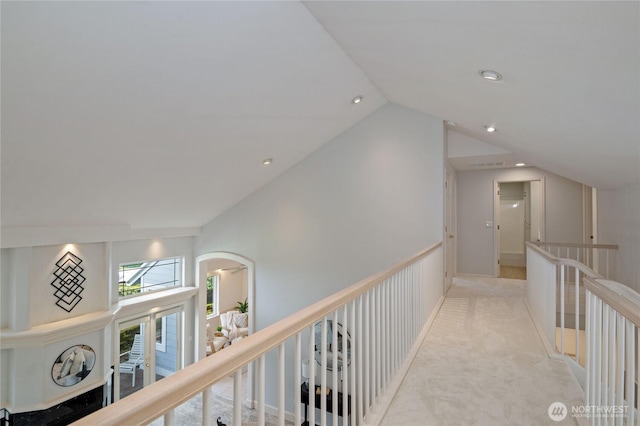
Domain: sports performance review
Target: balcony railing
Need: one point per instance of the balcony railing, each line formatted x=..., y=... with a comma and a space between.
x=385, y=318
x=600, y=258
x=569, y=299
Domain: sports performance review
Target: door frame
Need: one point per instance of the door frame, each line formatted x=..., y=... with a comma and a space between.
x=450, y=226
x=148, y=318
x=496, y=216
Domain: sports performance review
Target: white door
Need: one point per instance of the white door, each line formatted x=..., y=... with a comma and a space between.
x=149, y=349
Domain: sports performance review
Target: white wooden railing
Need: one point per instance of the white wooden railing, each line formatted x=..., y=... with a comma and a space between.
x=386, y=317
x=613, y=350
x=569, y=299
x=599, y=257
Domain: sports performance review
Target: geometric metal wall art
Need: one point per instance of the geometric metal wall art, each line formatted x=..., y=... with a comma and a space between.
x=68, y=281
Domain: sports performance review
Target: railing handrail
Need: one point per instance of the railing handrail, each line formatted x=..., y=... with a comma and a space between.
x=564, y=261
x=160, y=397
x=580, y=245
x=623, y=299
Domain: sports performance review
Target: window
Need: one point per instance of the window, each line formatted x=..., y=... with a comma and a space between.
x=140, y=277
x=212, y=294
x=161, y=334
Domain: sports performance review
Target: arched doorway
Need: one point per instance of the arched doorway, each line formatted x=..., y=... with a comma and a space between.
x=231, y=268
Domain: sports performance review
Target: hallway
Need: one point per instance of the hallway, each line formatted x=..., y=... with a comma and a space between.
x=483, y=363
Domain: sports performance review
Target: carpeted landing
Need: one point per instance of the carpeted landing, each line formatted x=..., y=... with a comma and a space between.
x=482, y=363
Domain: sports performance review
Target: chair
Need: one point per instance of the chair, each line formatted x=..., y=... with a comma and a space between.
x=135, y=358
x=215, y=343
x=234, y=324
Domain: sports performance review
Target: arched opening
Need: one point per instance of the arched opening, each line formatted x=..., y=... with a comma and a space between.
x=230, y=277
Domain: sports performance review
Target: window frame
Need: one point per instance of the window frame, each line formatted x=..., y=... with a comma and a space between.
x=178, y=276
x=215, y=296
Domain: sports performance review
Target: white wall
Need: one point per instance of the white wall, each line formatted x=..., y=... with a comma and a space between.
x=361, y=203
x=233, y=289
x=619, y=223
x=475, y=205
x=42, y=307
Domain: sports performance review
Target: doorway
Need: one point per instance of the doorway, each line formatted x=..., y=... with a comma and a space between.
x=232, y=267
x=149, y=350
x=519, y=218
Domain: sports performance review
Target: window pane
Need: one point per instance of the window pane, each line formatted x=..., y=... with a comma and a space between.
x=212, y=294
x=139, y=277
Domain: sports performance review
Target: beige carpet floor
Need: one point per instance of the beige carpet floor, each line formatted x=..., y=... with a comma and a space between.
x=482, y=363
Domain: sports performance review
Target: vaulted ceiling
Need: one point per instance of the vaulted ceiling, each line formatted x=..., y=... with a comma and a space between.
x=160, y=114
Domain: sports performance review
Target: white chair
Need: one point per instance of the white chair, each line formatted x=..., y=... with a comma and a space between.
x=234, y=324
x=136, y=358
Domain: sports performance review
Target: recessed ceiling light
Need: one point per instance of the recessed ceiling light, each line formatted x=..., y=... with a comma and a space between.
x=356, y=100
x=490, y=75
x=490, y=129
x=451, y=123
x=520, y=164
x=267, y=161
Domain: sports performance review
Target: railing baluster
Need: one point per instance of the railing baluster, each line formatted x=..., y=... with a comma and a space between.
x=312, y=375
x=577, y=315
x=237, y=398
x=207, y=402
x=620, y=352
x=334, y=366
x=588, y=333
x=262, y=372
x=611, y=348
x=388, y=330
x=605, y=354
x=562, y=267
x=356, y=371
x=170, y=418
x=345, y=366
x=323, y=374
x=630, y=374
x=297, y=380
x=597, y=359
x=367, y=365
x=379, y=339
x=281, y=383
x=360, y=379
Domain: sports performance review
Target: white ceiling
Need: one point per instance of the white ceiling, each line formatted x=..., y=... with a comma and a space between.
x=159, y=114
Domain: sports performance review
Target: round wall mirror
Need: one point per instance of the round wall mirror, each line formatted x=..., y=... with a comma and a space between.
x=338, y=347
x=73, y=365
